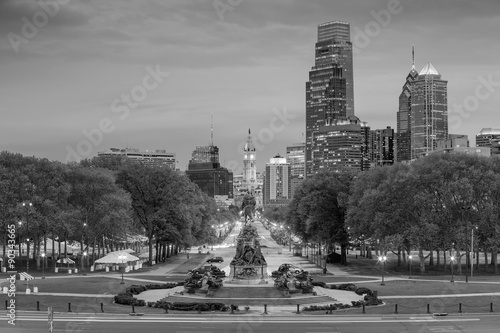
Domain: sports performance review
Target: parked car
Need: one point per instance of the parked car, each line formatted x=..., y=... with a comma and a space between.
x=215, y=259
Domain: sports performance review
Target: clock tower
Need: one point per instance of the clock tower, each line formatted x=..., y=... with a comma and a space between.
x=249, y=165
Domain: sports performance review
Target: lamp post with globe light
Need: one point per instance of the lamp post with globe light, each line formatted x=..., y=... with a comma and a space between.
x=28, y=205
x=43, y=265
x=452, y=262
x=122, y=258
x=410, y=257
x=382, y=259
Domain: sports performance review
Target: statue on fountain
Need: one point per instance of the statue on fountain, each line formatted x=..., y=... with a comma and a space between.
x=248, y=207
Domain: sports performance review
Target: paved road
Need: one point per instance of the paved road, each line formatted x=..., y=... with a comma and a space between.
x=37, y=322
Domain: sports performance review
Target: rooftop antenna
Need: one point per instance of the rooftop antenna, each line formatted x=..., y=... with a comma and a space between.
x=413, y=56
x=212, y=129
x=303, y=137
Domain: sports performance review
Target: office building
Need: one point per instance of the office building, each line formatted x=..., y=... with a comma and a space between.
x=429, y=111
x=488, y=137
x=381, y=147
x=341, y=144
x=295, y=156
x=403, y=121
x=277, y=189
x=205, y=171
x=156, y=158
x=330, y=88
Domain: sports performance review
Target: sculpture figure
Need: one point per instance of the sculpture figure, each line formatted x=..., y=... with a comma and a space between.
x=248, y=207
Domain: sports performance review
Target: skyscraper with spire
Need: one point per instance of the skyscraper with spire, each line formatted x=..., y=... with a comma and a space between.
x=403, y=127
x=429, y=111
x=330, y=89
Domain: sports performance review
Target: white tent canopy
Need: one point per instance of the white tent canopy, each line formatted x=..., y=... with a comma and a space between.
x=113, y=258
x=65, y=261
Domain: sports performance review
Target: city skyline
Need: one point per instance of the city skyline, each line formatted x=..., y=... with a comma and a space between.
x=245, y=65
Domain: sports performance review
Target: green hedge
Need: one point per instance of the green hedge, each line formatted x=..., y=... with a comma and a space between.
x=127, y=297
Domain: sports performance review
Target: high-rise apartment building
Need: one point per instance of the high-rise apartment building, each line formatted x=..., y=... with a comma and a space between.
x=157, y=158
x=295, y=156
x=277, y=189
x=429, y=111
x=330, y=89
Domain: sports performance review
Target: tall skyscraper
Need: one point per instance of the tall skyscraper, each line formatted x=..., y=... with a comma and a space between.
x=429, y=111
x=295, y=156
x=249, y=165
x=277, y=189
x=336, y=36
x=403, y=127
x=330, y=89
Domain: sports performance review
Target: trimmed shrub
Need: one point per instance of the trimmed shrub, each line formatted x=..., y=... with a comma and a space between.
x=363, y=290
x=320, y=284
x=128, y=299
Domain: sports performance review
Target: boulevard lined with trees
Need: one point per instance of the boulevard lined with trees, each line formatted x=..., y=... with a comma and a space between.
x=439, y=206
x=100, y=205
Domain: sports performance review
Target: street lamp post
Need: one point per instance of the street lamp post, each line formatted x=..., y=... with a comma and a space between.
x=122, y=259
x=84, y=258
x=452, y=261
x=382, y=259
x=410, y=257
x=472, y=252
x=43, y=265
x=27, y=205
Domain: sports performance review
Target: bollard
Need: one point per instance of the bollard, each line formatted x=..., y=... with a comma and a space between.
x=395, y=309
x=364, y=308
x=69, y=307
x=491, y=307
x=37, y=305
x=232, y=309
x=298, y=311
x=102, y=307
x=265, y=308
x=459, y=307
x=133, y=308
x=428, y=308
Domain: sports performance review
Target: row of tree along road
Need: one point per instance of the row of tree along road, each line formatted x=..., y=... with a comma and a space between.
x=440, y=206
x=101, y=204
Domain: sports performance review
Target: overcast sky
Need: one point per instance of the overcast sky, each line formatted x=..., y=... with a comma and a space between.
x=245, y=62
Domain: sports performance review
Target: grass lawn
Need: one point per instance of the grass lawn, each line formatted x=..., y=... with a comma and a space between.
x=337, y=279
x=436, y=305
x=78, y=304
x=415, y=287
x=77, y=285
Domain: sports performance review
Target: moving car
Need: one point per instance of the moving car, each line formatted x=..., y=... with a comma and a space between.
x=215, y=259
